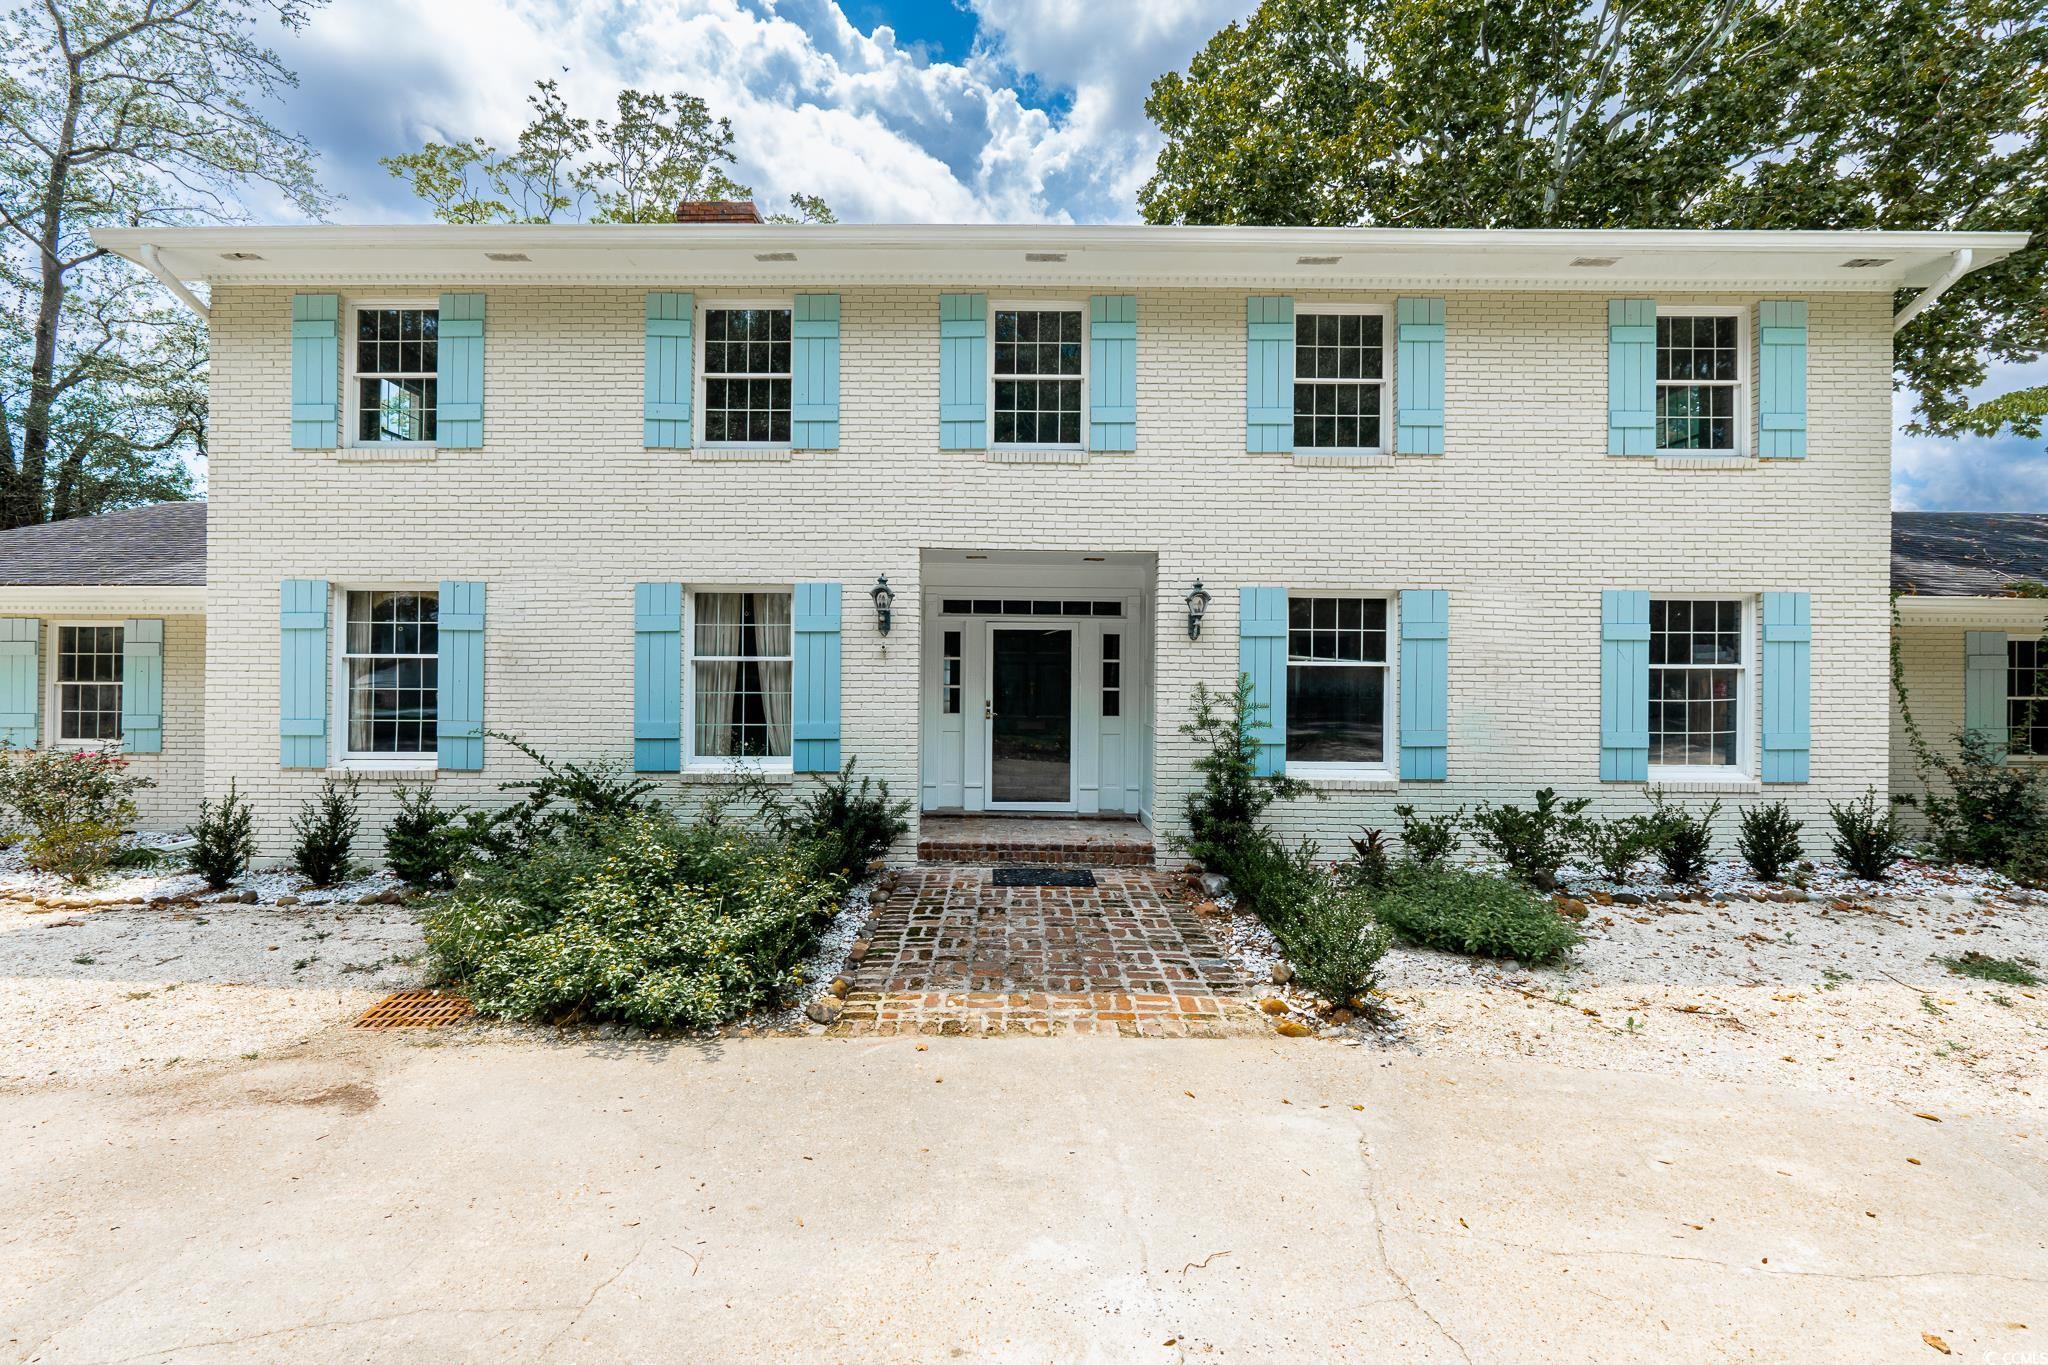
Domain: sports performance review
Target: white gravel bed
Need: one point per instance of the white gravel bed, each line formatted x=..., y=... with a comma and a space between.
x=826, y=961
x=19, y=882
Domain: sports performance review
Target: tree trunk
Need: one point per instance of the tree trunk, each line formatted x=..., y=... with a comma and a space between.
x=21, y=501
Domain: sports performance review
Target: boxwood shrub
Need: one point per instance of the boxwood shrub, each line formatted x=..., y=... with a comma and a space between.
x=1462, y=911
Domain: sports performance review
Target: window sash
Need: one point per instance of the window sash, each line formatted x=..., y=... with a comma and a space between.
x=2026, y=698
x=1701, y=382
x=742, y=675
x=394, y=384
x=748, y=369
x=1699, y=694
x=1329, y=635
x=1335, y=411
x=1038, y=392
x=88, y=708
x=390, y=673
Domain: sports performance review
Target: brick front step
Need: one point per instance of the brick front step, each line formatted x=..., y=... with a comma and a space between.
x=1120, y=854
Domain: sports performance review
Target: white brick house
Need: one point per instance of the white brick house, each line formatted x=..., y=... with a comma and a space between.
x=1478, y=511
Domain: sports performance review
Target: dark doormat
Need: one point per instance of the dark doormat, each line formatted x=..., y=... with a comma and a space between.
x=1045, y=876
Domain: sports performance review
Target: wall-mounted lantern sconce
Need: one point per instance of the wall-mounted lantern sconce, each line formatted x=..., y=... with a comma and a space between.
x=1198, y=606
x=883, y=596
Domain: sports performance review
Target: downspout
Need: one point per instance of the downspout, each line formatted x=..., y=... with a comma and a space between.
x=1958, y=266
x=154, y=265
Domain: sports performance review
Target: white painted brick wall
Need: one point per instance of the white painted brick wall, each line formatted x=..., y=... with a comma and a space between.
x=1931, y=665
x=1524, y=519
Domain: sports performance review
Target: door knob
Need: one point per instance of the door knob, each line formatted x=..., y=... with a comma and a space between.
x=988, y=710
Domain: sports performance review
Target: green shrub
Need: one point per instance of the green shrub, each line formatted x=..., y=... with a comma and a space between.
x=1615, y=845
x=223, y=839
x=1462, y=911
x=1223, y=813
x=1768, y=839
x=1535, y=842
x=842, y=827
x=1429, y=839
x=1267, y=877
x=1867, y=838
x=326, y=829
x=1333, y=940
x=1369, y=864
x=73, y=805
x=2027, y=864
x=424, y=841
x=1683, y=840
x=636, y=919
x=1993, y=807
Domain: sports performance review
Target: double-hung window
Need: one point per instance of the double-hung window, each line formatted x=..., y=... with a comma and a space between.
x=396, y=356
x=1700, y=385
x=740, y=676
x=746, y=376
x=1037, y=371
x=1340, y=381
x=1337, y=681
x=87, y=684
x=390, y=673
x=1697, y=682
x=2026, y=709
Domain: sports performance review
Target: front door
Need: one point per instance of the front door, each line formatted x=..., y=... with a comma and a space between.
x=1031, y=717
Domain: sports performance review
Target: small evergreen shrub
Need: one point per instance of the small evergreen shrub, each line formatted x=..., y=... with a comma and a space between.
x=1223, y=813
x=424, y=841
x=1269, y=879
x=73, y=805
x=326, y=828
x=1615, y=845
x=1333, y=940
x=1768, y=839
x=1429, y=839
x=842, y=827
x=223, y=839
x=1532, y=842
x=1867, y=838
x=2027, y=864
x=1993, y=807
x=1458, y=910
x=1683, y=840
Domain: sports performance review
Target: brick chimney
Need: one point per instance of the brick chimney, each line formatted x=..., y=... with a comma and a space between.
x=718, y=211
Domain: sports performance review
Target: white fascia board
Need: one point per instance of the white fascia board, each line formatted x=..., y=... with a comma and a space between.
x=1990, y=613
x=102, y=600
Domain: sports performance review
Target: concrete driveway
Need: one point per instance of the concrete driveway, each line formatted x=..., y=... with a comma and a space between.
x=495, y=1197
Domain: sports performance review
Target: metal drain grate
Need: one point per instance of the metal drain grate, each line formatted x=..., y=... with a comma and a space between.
x=416, y=1009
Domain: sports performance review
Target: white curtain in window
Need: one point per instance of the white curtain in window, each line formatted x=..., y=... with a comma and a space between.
x=772, y=615
x=717, y=632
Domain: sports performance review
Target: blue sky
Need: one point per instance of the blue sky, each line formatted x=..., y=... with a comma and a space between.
x=893, y=110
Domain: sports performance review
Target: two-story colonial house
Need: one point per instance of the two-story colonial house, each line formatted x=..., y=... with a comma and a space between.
x=1478, y=512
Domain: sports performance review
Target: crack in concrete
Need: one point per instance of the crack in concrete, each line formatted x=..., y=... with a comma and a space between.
x=595, y=1290
x=1379, y=1236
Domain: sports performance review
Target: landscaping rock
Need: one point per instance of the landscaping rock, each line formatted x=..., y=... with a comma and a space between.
x=1293, y=1028
x=1340, y=1016
x=1570, y=908
x=1273, y=1006
x=1214, y=884
x=1627, y=898
x=1207, y=908
x=1793, y=893
x=1282, y=973
x=857, y=951
x=823, y=1010
x=249, y=898
x=287, y=900
x=841, y=984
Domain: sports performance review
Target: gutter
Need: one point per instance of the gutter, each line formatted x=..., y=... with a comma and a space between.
x=146, y=256
x=1958, y=266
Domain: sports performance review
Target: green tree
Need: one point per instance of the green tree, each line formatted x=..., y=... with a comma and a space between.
x=1809, y=114
x=635, y=168
x=120, y=113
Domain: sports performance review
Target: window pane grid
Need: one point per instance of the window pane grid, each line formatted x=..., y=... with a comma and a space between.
x=89, y=684
x=1696, y=666
x=1336, y=680
x=1698, y=374
x=747, y=374
x=2026, y=710
x=1339, y=380
x=740, y=653
x=397, y=356
x=391, y=652
x=1112, y=675
x=1037, y=369
x=949, y=669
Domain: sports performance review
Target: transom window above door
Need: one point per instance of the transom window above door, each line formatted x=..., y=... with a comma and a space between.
x=747, y=375
x=1696, y=683
x=1337, y=681
x=1340, y=380
x=1037, y=373
x=1699, y=382
x=89, y=684
x=397, y=353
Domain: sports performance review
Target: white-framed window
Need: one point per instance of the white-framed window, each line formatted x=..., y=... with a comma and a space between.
x=1112, y=675
x=1340, y=378
x=394, y=353
x=1699, y=685
x=949, y=673
x=85, y=683
x=1702, y=380
x=739, y=676
x=2026, y=711
x=1038, y=374
x=744, y=363
x=388, y=674
x=1339, y=682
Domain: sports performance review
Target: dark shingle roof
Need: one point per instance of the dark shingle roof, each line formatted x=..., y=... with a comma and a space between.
x=156, y=547
x=1967, y=554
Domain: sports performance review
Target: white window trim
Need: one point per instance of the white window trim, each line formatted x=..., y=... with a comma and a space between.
x=1744, y=769
x=699, y=328
x=350, y=410
x=1087, y=331
x=52, y=713
x=1744, y=381
x=340, y=757
x=1388, y=350
x=733, y=763
x=1390, y=711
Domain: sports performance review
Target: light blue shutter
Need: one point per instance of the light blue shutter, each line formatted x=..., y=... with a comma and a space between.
x=1113, y=372
x=670, y=384
x=316, y=370
x=814, y=679
x=302, y=673
x=1624, y=686
x=142, y=686
x=814, y=372
x=460, y=709
x=1781, y=380
x=963, y=372
x=1425, y=689
x=1631, y=376
x=20, y=680
x=1788, y=654
x=1269, y=374
x=657, y=677
x=459, y=392
x=1262, y=657
x=1984, y=685
x=1419, y=376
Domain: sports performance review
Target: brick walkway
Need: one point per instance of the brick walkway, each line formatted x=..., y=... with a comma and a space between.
x=1076, y=842
x=953, y=953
